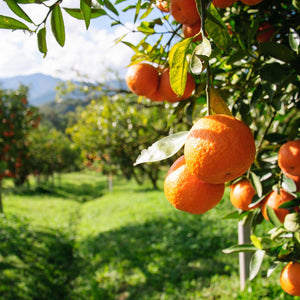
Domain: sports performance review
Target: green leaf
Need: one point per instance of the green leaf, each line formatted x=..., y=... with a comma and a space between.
x=240, y=248
x=11, y=23
x=292, y=222
x=272, y=268
x=18, y=10
x=288, y=184
x=179, y=66
x=255, y=263
x=146, y=27
x=257, y=184
x=272, y=73
x=290, y=204
x=57, y=25
x=41, y=38
x=85, y=7
x=273, y=217
x=77, y=13
x=200, y=55
x=111, y=7
x=163, y=148
x=294, y=40
x=277, y=50
x=216, y=29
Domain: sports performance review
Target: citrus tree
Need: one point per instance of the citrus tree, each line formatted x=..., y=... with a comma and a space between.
x=238, y=60
x=18, y=119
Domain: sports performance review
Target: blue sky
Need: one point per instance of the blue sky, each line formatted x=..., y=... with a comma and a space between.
x=88, y=53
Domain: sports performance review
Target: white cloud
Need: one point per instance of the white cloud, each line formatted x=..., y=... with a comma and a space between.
x=88, y=52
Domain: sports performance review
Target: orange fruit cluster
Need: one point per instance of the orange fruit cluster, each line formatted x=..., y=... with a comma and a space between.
x=228, y=3
x=187, y=193
x=219, y=148
x=144, y=79
x=290, y=278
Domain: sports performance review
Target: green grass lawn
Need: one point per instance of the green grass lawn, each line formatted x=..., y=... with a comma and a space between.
x=77, y=241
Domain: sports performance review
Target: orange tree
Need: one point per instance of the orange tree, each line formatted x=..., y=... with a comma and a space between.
x=17, y=119
x=244, y=60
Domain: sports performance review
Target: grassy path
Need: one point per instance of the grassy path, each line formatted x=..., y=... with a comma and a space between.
x=79, y=242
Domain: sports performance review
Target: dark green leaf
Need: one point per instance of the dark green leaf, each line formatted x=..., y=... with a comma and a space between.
x=216, y=29
x=272, y=268
x=237, y=57
x=85, y=7
x=111, y=7
x=240, y=248
x=41, y=38
x=277, y=50
x=57, y=25
x=18, y=10
x=257, y=94
x=30, y=1
x=164, y=148
x=255, y=263
x=275, y=137
x=11, y=23
x=272, y=73
x=291, y=204
x=77, y=14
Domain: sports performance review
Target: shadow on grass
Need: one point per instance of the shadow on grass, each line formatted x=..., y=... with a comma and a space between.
x=154, y=260
x=80, y=192
x=34, y=264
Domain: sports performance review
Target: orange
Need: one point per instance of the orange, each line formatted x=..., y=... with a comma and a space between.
x=219, y=148
x=187, y=193
x=156, y=97
x=289, y=158
x=142, y=79
x=223, y=3
x=274, y=200
x=290, y=278
x=184, y=11
x=165, y=89
x=163, y=5
x=251, y=2
x=192, y=30
x=265, y=32
x=241, y=194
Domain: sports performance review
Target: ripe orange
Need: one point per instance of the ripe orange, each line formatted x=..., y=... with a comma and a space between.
x=265, y=32
x=192, y=30
x=187, y=193
x=219, y=148
x=163, y=5
x=290, y=278
x=274, y=200
x=166, y=91
x=289, y=158
x=184, y=11
x=156, y=97
x=142, y=79
x=223, y=3
x=241, y=194
x=251, y=2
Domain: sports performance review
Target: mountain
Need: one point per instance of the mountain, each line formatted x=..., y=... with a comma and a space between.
x=41, y=86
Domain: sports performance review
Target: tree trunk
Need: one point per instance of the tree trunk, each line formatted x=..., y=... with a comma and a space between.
x=1, y=204
x=110, y=182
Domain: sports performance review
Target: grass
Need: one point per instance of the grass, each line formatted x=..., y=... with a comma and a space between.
x=77, y=241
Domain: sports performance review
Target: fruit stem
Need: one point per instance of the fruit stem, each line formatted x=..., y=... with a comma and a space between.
x=202, y=4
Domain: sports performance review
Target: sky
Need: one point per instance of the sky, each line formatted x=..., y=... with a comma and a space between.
x=87, y=53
